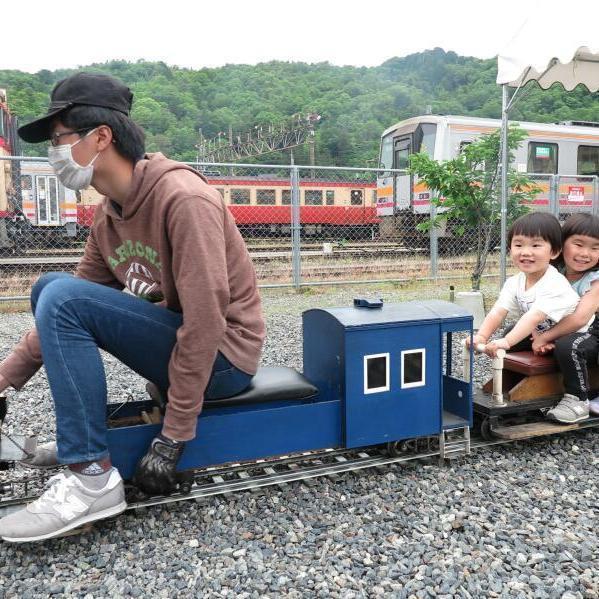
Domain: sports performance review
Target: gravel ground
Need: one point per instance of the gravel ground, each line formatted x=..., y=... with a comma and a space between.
x=514, y=521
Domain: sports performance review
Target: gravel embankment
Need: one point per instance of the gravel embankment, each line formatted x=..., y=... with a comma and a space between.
x=514, y=521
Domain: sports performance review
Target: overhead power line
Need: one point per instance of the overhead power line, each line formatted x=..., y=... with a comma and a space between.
x=227, y=147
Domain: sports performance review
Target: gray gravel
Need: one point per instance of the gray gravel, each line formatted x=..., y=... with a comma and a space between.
x=508, y=522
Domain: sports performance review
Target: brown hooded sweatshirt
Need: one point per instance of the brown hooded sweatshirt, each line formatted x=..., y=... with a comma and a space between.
x=177, y=232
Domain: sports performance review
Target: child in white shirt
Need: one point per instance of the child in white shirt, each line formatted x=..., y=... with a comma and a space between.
x=539, y=295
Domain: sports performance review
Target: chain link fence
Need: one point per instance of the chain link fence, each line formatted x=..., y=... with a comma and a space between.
x=304, y=226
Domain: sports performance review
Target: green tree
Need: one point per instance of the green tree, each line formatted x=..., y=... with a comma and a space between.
x=467, y=192
x=356, y=103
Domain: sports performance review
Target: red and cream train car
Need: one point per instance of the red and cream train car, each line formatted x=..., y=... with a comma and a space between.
x=262, y=206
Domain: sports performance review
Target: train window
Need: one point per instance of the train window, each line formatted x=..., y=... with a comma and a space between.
x=403, y=149
x=25, y=182
x=376, y=373
x=266, y=197
x=330, y=197
x=425, y=139
x=42, y=206
x=356, y=197
x=313, y=197
x=286, y=197
x=386, y=157
x=588, y=160
x=413, y=368
x=53, y=194
x=542, y=157
x=240, y=196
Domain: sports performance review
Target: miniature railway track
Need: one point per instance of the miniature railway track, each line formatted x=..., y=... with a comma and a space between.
x=238, y=477
x=232, y=478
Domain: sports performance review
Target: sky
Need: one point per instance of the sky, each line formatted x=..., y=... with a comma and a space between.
x=66, y=34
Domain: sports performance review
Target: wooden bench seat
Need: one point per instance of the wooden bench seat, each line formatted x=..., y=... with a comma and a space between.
x=526, y=363
x=527, y=377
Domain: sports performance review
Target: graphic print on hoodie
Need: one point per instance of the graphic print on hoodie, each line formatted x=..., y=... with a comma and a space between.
x=140, y=282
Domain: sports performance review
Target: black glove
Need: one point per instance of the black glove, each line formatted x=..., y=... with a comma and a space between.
x=157, y=473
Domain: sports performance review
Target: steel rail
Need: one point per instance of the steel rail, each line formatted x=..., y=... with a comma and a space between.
x=268, y=476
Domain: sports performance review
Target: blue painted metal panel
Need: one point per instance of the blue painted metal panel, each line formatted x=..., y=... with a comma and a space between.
x=324, y=358
x=236, y=436
x=399, y=413
x=459, y=324
x=405, y=312
x=457, y=397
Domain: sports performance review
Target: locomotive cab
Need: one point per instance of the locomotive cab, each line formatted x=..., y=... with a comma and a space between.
x=393, y=368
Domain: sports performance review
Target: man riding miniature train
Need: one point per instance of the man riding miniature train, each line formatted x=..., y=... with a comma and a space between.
x=192, y=323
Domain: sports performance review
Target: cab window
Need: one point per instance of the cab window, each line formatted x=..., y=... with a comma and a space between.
x=426, y=135
x=386, y=160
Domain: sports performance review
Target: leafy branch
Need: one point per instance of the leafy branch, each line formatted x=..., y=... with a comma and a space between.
x=467, y=193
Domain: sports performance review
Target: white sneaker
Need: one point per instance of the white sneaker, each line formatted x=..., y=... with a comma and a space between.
x=65, y=505
x=569, y=410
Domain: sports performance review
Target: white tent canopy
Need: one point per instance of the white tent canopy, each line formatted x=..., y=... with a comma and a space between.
x=553, y=46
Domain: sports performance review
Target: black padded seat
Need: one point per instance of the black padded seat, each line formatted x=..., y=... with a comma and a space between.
x=271, y=383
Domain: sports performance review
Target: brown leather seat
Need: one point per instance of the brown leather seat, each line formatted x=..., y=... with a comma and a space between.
x=525, y=362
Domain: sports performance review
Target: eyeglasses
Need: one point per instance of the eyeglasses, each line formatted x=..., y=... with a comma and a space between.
x=55, y=137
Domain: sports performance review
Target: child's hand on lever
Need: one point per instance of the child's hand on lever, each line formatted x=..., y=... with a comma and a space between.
x=476, y=340
x=492, y=347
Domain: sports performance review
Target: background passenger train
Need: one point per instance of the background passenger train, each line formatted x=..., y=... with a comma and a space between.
x=34, y=206
x=569, y=149
x=262, y=206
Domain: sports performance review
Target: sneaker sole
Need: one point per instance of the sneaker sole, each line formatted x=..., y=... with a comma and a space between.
x=39, y=466
x=113, y=511
x=563, y=421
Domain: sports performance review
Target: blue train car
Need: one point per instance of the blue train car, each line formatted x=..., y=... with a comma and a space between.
x=371, y=376
x=390, y=367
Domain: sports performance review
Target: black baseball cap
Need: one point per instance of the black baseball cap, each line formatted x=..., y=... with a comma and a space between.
x=82, y=89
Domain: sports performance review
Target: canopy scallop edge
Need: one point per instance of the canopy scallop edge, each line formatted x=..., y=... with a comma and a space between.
x=547, y=52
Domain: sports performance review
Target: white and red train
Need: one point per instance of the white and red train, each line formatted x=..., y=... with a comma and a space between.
x=564, y=156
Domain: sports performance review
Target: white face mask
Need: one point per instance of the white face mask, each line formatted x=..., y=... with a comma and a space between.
x=70, y=173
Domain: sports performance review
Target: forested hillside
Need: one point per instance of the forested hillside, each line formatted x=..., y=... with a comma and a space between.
x=356, y=103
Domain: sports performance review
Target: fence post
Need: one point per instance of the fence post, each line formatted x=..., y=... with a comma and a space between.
x=553, y=195
x=433, y=243
x=295, y=229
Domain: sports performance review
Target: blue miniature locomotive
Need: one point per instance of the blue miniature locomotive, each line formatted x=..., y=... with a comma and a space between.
x=371, y=376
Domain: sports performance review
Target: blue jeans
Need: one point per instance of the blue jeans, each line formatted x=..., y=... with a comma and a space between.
x=74, y=318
